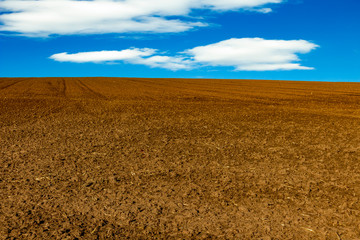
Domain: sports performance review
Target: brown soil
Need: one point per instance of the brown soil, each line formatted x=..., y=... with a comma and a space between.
x=97, y=158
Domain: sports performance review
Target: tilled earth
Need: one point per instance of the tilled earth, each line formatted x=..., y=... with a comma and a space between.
x=121, y=158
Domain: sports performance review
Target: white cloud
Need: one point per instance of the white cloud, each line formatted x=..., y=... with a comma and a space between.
x=244, y=54
x=143, y=56
x=41, y=18
x=103, y=56
x=172, y=63
x=253, y=54
x=264, y=10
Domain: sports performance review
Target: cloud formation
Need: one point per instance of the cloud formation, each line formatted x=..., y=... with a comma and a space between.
x=253, y=54
x=142, y=56
x=41, y=18
x=244, y=54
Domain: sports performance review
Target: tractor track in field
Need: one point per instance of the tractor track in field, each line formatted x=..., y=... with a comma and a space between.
x=11, y=84
x=90, y=92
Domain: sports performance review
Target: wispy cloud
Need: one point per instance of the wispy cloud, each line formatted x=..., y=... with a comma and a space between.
x=142, y=56
x=41, y=18
x=244, y=54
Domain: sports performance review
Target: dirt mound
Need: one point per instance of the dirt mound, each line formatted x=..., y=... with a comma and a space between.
x=96, y=158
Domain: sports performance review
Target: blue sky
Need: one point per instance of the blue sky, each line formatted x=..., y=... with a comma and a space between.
x=313, y=40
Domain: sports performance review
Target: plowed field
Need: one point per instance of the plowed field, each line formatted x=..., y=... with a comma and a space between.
x=122, y=158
